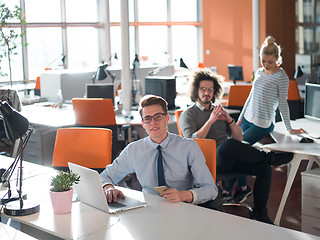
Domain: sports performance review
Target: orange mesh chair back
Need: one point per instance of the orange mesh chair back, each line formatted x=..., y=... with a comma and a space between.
x=238, y=95
x=37, y=83
x=97, y=112
x=93, y=111
x=177, y=114
x=208, y=148
x=293, y=91
x=89, y=147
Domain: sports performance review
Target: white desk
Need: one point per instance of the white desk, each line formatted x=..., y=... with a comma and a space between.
x=159, y=220
x=302, y=151
x=9, y=233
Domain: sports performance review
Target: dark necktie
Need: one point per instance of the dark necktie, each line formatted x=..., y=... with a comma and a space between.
x=161, y=181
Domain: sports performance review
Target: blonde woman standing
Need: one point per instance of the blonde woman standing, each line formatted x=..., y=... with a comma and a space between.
x=269, y=91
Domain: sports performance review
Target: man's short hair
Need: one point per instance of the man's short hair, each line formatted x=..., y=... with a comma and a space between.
x=150, y=100
x=202, y=74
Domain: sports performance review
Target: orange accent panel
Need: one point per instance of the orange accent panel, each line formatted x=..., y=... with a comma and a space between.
x=94, y=111
x=208, y=148
x=238, y=95
x=177, y=115
x=293, y=91
x=89, y=147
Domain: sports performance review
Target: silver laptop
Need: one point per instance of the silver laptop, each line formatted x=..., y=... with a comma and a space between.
x=90, y=191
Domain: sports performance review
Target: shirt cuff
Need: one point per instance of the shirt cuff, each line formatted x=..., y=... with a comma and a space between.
x=195, y=196
x=107, y=183
x=195, y=135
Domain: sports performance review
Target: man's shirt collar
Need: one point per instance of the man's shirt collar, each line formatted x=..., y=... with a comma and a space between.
x=202, y=108
x=163, y=144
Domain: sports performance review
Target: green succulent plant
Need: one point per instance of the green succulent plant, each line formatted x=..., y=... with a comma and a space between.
x=63, y=181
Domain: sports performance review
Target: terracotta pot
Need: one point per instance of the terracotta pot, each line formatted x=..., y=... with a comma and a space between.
x=61, y=201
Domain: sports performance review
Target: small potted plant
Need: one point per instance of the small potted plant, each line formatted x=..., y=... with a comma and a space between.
x=62, y=191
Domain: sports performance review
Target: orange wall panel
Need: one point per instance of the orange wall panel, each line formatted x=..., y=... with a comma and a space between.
x=227, y=32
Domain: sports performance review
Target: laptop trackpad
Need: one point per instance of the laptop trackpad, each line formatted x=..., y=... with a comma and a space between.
x=116, y=205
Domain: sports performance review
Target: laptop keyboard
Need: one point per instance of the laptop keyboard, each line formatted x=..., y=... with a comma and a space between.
x=116, y=205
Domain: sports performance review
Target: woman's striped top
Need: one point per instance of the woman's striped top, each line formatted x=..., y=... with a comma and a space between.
x=269, y=91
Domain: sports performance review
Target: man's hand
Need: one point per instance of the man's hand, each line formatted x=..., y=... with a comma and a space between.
x=112, y=194
x=218, y=113
x=174, y=196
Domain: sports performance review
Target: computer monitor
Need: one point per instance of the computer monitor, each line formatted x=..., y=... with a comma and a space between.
x=311, y=101
x=235, y=73
x=163, y=86
x=103, y=90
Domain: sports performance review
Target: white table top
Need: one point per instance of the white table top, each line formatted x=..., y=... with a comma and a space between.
x=159, y=220
x=9, y=233
x=290, y=143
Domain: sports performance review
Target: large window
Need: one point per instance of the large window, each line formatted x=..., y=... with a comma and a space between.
x=308, y=26
x=74, y=34
x=308, y=38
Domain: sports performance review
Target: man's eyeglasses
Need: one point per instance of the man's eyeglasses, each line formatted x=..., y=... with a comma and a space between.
x=204, y=89
x=156, y=117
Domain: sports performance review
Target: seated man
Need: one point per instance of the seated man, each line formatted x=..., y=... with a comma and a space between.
x=204, y=120
x=161, y=159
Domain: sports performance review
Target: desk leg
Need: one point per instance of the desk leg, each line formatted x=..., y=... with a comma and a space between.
x=130, y=134
x=294, y=165
x=314, y=159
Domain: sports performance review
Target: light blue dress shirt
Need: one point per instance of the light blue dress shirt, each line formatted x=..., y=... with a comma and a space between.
x=183, y=163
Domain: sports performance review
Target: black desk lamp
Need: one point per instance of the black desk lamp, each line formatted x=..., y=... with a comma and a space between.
x=314, y=67
x=16, y=127
x=298, y=72
x=102, y=73
x=182, y=64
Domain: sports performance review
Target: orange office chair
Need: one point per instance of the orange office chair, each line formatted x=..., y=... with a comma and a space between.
x=98, y=112
x=89, y=147
x=94, y=111
x=208, y=148
x=293, y=90
x=238, y=95
x=294, y=102
x=177, y=114
x=37, y=87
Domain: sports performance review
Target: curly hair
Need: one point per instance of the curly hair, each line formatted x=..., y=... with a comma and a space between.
x=202, y=74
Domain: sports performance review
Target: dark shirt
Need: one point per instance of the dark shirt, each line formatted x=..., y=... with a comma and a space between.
x=193, y=118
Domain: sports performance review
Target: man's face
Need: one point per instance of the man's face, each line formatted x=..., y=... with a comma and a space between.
x=156, y=129
x=205, y=91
